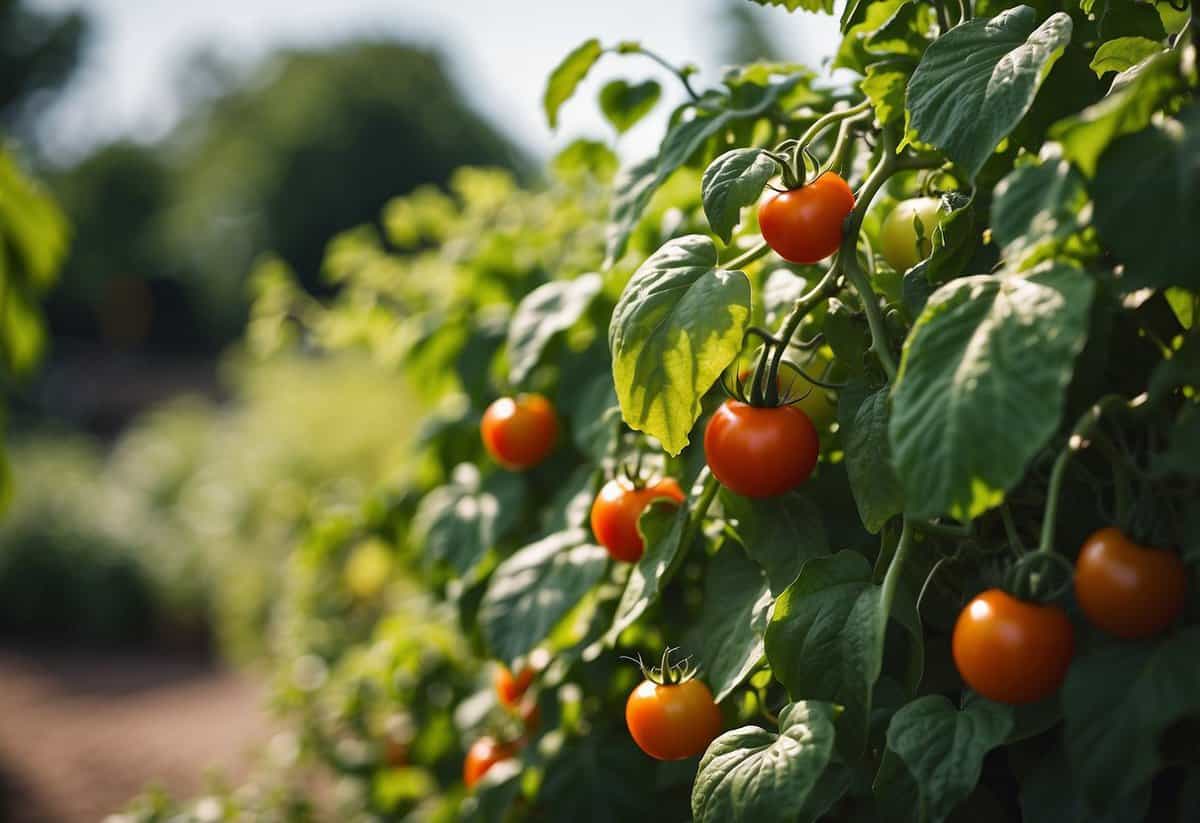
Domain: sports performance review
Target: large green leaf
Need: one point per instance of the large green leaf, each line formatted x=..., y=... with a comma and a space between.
x=457, y=523
x=530, y=592
x=1145, y=190
x=624, y=104
x=1123, y=53
x=779, y=533
x=546, y=311
x=885, y=84
x=905, y=33
x=975, y=83
x=943, y=748
x=863, y=421
x=732, y=181
x=757, y=776
x=599, y=778
x=729, y=636
x=567, y=76
x=32, y=227
x=1035, y=209
x=982, y=385
x=1134, y=97
x=1118, y=700
x=678, y=324
x=825, y=639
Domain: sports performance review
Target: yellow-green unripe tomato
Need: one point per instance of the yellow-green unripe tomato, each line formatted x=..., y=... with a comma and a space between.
x=368, y=569
x=902, y=247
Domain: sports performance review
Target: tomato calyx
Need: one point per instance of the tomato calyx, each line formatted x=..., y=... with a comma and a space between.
x=667, y=673
x=764, y=386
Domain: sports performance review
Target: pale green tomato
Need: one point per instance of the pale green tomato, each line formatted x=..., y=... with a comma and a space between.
x=368, y=569
x=898, y=237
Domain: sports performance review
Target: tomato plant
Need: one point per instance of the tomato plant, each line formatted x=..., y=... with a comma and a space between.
x=1008, y=381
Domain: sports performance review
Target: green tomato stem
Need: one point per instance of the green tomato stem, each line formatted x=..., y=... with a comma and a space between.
x=891, y=580
x=826, y=120
x=826, y=288
x=1076, y=442
x=1010, y=529
x=695, y=520
x=747, y=257
x=889, y=163
x=681, y=73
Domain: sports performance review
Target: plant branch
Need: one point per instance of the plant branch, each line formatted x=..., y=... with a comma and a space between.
x=682, y=73
x=891, y=581
x=747, y=257
x=1077, y=441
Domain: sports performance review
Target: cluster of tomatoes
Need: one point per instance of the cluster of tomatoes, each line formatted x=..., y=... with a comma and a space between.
x=1015, y=651
x=755, y=451
x=1007, y=649
x=512, y=692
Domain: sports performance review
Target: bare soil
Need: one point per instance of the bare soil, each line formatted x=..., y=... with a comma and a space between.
x=81, y=733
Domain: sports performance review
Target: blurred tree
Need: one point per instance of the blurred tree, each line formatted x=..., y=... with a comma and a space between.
x=115, y=197
x=279, y=158
x=38, y=54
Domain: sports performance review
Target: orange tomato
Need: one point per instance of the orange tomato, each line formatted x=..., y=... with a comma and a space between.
x=1010, y=650
x=672, y=722
x=519, y=432
x=1128, y=590
x=616, y=510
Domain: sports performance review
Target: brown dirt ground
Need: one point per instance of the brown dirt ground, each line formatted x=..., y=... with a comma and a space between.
x=81, y=733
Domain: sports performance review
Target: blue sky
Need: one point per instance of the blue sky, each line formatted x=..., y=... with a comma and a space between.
x=502, y=51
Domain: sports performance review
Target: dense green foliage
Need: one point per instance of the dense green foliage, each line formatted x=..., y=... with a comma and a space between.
x=1029, y=381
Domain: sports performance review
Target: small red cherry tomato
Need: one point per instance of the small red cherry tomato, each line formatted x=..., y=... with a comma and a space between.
x=511, y=688
x=483, y=754
x=1010, y=650
x=519, y=432
x=760, y=452
x=616, y=510
x=804, y=225
x=672, y=722
x=1128, y=590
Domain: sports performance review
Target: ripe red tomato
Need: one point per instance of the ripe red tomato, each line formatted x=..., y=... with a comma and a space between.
x=483, y=754
x=1128, y=590
x=519, y=432
x=672, y=722
x=1010, y=650
x=616, y=510
x=510, y=689
x=804, y=225
x=760, y=452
